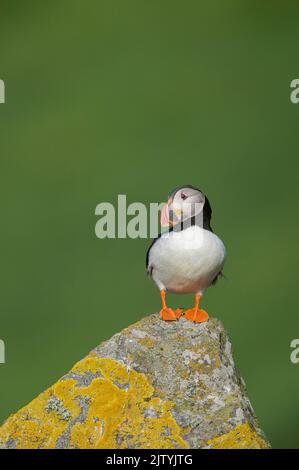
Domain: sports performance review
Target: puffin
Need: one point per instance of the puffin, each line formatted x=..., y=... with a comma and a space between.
x=188, y=257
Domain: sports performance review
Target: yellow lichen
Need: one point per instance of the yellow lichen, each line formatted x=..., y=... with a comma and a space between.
x=117, y=408
x=241, y=437
x=121, y=411
x=147, y=341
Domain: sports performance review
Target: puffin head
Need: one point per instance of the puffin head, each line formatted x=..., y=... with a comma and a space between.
x=184, y=204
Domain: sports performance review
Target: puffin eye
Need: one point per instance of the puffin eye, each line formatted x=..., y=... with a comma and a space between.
x=183, y=196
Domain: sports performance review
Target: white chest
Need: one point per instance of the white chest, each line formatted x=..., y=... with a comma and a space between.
x=187, y=261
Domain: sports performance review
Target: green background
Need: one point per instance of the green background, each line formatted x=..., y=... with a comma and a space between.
x=106, y=98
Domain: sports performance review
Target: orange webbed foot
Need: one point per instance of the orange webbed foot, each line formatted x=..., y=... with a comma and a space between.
x=196, y=315
x=179, y=312
x=168, y=314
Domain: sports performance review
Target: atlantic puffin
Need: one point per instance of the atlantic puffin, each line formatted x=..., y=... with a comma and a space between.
x=188, y=257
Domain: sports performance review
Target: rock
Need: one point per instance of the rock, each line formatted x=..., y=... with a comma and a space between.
x=155, y=384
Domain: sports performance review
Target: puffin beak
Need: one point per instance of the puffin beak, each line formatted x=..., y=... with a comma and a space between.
x=165, y=214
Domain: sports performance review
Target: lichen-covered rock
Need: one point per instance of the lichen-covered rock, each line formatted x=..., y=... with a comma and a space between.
x=156, y=384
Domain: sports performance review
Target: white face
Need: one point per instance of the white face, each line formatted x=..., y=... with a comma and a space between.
x=183, y=204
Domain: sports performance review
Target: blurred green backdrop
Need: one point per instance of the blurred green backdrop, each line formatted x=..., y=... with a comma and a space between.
x=106, y=98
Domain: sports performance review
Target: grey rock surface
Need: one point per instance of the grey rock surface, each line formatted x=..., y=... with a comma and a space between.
x=155, y=384
x=192, y=366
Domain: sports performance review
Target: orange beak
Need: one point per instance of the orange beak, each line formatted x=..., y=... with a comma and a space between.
x=165, y=214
